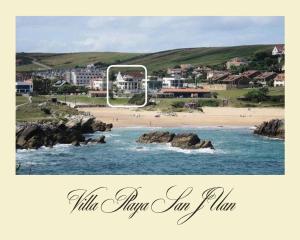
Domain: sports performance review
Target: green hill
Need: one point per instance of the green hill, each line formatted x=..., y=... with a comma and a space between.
x=153, y=61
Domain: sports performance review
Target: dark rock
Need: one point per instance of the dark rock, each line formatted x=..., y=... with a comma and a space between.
x=76, y=143
x=182, y=140
x=185, y=140
x=204, y=144
x=273, y=128
x=98, y=126
x=87, y=141
x=109, y=126
x=101, y=139
x=156, y=137
x=48, y=134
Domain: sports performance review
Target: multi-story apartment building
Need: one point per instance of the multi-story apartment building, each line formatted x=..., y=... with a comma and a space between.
x=84, y=76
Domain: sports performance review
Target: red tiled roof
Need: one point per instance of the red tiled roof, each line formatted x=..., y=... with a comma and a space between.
x=265, y=75
x=232, y=78
x=280, y=77
x=250, y=73
x=280, y=47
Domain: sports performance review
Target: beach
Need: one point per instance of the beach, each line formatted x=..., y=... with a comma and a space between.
x=211, y=116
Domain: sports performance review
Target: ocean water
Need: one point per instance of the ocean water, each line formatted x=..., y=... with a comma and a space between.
x=237, y=151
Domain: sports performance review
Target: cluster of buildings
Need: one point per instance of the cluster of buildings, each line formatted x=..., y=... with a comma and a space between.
x=178, y=82
x=250, y=78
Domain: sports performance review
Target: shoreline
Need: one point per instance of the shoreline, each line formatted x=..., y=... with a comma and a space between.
x=216, y=117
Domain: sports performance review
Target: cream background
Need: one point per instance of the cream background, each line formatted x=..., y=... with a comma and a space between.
x=35, y=207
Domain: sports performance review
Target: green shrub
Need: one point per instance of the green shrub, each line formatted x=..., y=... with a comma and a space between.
x=46, y=110
x=178, y=104
x=257, y=95
x=138, y=99
x=208, y=103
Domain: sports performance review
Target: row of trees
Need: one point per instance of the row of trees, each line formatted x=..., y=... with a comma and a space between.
x=45, y=87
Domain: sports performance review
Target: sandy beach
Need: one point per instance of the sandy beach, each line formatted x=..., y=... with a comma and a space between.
x=211, y=116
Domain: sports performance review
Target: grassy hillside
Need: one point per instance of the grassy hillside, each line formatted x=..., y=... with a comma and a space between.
x=153, y=61
x=201, y=56
x=68, y=60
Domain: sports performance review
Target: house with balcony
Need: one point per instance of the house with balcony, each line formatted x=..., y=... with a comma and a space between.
x=130, y=82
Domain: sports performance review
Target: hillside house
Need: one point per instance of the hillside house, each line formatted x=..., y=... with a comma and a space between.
x=264, y=78
x=238, y=81
x=174, y=71
x=278, y=50
x=235, y=62
x=186, y=66
x=216, y=76
x=279, y=80
x=251, y=74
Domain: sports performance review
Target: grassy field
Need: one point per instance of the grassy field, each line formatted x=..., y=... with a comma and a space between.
x=21, y=100
x=91, y=100
x=233, y=94
x=34, y=112
x=153, y=61
x=166, y=103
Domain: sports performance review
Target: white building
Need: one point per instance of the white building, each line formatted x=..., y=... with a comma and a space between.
x=129, y=83
x=174, y=71
x=173, y=82
x=100, y=84
x=83, y=77
x=278, y=50
x=279, y=80
x=24, y=87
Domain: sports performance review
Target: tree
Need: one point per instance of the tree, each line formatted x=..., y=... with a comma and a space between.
x=42, y=86
x=257, y=95
x=138, y=99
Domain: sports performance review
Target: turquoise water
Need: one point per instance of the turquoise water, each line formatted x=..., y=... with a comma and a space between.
x=238, y=151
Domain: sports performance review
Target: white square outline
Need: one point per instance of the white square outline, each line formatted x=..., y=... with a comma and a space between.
x=107, y=86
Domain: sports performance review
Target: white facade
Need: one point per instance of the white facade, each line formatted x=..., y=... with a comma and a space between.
x=174, y=71
x=173, y=82
x=99, y=84
x=24, y=87
x=128, y=84
x=83, y=77
x=278, y=83
x=279, y=80
x=278, y=50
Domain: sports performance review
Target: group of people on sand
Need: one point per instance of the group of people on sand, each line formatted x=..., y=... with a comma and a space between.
x=136, y=115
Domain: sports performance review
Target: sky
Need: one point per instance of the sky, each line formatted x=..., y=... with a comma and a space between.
x=143, y=34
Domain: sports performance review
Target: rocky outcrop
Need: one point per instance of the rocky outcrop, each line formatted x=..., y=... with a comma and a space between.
x=273, y=128
x=87, y=124
x=190, y=141
x=35, y=135
x=156, y=137
x=101, y=126
x=182, y=140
